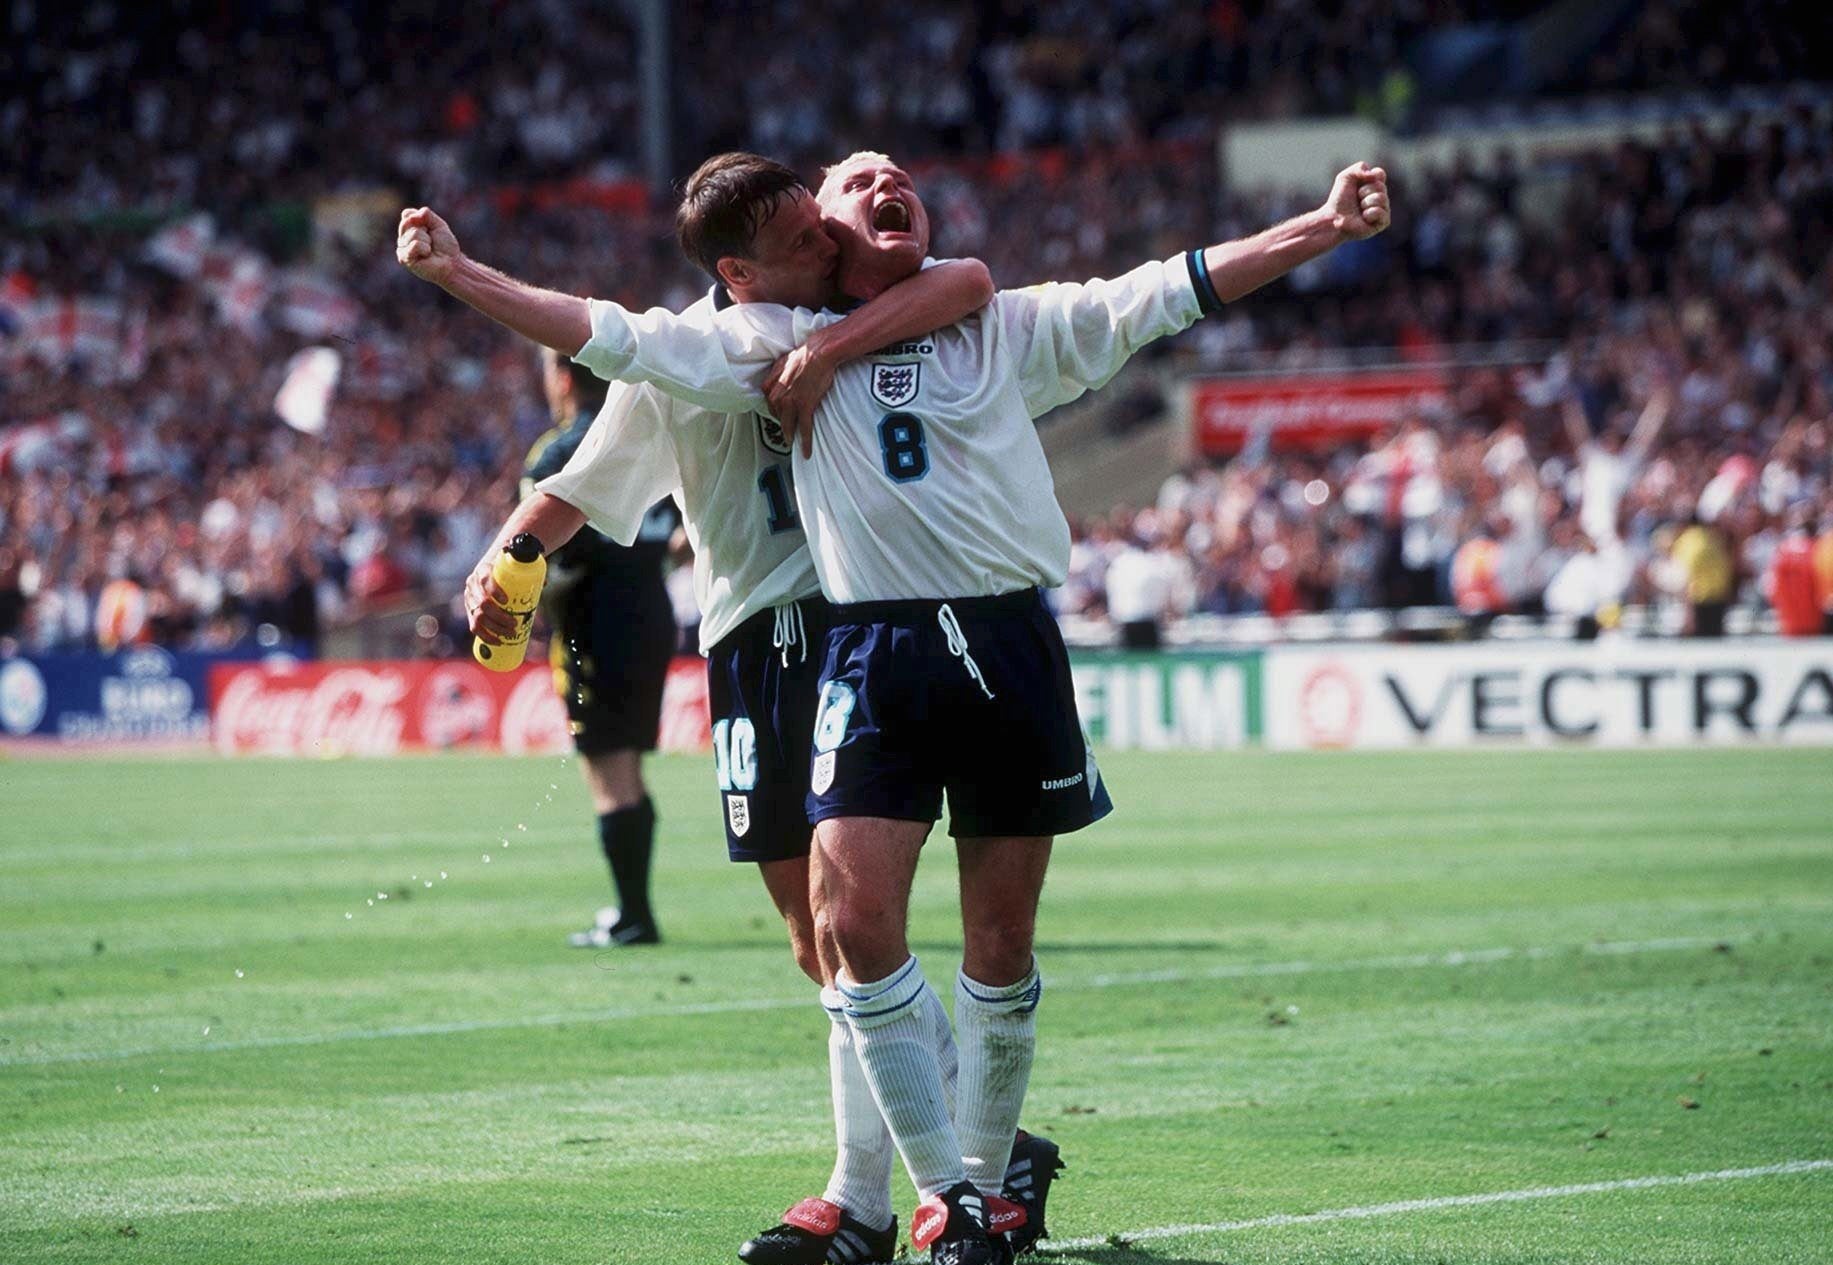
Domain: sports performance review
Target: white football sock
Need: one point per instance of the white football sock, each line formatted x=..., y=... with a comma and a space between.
x=862, y=1165
x=896, y=1041
x=948, y=1060
x=998, y=1038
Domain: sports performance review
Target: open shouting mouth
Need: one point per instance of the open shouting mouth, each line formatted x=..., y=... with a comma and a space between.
x=891, y=216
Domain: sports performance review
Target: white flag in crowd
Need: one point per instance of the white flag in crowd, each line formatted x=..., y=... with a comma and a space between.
x=181, y=246
x=315, y=307
x=239, y=284
x=305, y=396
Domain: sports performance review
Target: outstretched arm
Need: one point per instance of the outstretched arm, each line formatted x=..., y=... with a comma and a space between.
x=427, y=247
x=1578, y=429
x=931, y=299
x=1356, y=208
x=1649, y=425
x=1068, y=339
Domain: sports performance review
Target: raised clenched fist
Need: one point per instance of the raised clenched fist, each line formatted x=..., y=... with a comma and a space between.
x=1358, y=203
x=425, y=245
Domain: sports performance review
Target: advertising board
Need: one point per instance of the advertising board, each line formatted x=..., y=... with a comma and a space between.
x=1612, y=693
x=383, y=708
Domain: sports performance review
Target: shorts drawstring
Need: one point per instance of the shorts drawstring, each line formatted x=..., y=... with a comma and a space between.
x=790, y=631
x=957, y=646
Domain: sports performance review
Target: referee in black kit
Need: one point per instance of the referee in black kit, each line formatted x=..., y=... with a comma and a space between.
x=613, y=636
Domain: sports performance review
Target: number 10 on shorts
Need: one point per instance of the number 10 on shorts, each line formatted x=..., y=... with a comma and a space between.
x=735, y=754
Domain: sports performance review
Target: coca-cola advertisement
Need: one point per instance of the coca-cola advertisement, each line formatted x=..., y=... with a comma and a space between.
x=384, y=708
x=1306, y=410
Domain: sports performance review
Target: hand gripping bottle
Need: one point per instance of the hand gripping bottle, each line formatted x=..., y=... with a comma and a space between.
x=520, y=570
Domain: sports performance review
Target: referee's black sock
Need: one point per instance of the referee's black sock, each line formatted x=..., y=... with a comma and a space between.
x=629, y=837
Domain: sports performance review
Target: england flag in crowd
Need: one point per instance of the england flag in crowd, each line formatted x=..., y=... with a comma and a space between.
x=315, y=307
x=182, y=247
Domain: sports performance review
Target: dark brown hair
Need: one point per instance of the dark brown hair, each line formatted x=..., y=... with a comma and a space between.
x=723, y=204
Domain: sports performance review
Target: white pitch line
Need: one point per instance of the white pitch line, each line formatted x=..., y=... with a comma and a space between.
x=1249, y=970
x=1404, y=1206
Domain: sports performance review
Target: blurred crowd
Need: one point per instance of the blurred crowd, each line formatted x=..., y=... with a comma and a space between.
x=1673, y=444
x=106, y=105
x=148, y=491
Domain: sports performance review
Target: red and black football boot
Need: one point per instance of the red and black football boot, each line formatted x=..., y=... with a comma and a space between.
x=953, y=1226
x=816, y=1232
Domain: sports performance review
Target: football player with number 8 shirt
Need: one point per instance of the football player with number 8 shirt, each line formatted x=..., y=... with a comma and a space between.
x=933, y=525
x=753, y=225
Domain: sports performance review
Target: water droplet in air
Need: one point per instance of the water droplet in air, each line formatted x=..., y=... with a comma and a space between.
x=429, y=882
x=486, y=858
x=155, y=1089
x=238, y=972
x=520, y=826
x=553, y=786
x=348, y=915
x=206, y=1029
x=370, y=901
x=442, y=874
x=381, y=895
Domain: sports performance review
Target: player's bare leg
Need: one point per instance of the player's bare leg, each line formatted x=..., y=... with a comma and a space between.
x=626, y=831
x=866, y=866
x=1001, y=880
x=996, y=997
x=788, y=883
x=855, y=1209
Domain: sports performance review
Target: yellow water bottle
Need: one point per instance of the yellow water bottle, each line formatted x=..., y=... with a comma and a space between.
x=520, y=571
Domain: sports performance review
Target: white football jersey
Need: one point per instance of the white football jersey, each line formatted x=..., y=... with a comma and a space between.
x=927, y=480
x=730, y=473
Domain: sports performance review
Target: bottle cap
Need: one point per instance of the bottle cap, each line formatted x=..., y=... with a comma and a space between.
x=524, y=548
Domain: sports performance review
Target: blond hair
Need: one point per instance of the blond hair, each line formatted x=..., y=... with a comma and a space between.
x=857, y=156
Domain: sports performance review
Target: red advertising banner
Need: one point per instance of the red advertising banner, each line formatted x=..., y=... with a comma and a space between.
x=382, y=708
x=1311, y=410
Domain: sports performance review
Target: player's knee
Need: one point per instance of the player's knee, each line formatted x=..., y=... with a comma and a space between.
x=864, y=931
x=998, y=949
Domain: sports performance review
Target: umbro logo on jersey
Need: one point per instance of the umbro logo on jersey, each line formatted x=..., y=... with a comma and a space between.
x=907, y=349
x=770, y=434
x=896, y=385
x=1063, y=783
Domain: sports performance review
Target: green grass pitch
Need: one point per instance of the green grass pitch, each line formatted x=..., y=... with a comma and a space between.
x=1277, y=986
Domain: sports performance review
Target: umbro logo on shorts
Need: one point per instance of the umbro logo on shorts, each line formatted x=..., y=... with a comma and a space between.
x=1063, y=783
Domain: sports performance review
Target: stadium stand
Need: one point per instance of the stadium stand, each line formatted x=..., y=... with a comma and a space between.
x=153, y=295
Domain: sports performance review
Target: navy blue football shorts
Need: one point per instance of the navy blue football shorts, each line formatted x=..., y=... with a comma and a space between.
x=762, y=681
x=970, y=697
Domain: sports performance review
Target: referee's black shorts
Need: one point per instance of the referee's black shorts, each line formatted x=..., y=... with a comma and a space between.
x=610, y=652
